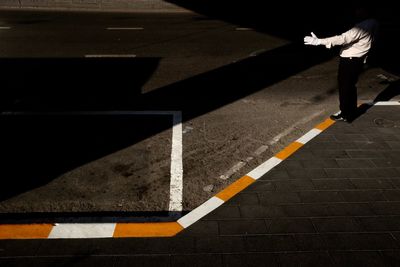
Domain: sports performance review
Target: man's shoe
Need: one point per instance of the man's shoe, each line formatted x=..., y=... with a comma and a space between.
x=338, y=117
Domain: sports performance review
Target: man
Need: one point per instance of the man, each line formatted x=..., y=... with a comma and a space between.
x=356, y=43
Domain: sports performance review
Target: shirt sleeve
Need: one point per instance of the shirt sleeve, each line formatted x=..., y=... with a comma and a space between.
x=348, y=37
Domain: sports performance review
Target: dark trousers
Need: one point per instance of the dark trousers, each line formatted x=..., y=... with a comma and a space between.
x=348, y=72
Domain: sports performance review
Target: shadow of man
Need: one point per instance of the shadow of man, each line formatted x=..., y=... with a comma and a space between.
x=387, y=94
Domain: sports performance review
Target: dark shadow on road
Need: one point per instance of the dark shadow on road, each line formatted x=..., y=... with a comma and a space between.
x=391, y=91
x=72, y=83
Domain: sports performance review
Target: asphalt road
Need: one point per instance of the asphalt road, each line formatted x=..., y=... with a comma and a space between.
x=243, y=95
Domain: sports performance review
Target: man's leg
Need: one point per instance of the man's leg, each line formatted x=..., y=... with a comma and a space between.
x=349, y=70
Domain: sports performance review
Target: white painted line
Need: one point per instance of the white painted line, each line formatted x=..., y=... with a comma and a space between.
x=125, y=28
x=176, y=184
x=243, y=29
x=264, y=168
x=110, y=56
x=82, y=230
x=200, y=212
x=5, y=28
x=308, y=136
x=388, y=103
x=234, y=169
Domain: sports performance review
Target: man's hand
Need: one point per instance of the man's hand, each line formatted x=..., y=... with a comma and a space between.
x=312, y=40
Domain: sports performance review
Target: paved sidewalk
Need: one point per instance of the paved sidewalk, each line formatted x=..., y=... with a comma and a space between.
x=334, y=202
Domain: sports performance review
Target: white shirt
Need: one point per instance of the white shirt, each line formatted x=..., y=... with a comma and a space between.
x=357, y=41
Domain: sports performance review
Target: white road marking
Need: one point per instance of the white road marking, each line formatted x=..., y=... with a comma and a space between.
x=5, y=28
x=264, y=168
x=125, y=28
x=388, y=103
x=200, y=211
x=82, y=230
x=233, y=170
x=243, y=29
x=110, y=56
x=308, y=136
x=176, y=184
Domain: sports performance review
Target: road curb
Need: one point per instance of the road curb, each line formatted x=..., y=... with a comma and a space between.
x=162, y=229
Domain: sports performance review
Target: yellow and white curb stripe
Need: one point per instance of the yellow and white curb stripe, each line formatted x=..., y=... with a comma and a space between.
x=161, y=229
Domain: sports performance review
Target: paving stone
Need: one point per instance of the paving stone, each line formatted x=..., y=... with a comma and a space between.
x=243, y=227
x=148, y=260
x=275, y=174
x=392, y=195
x=143, y=246
x=271, y=243
x=12, y=248
x=223, y=212
x=261, y=212
x=365, y=154
x=363, y=195
x=337, y=225
x=294, y=225
x=290, y=164
x=345, y=173
x=368, y=145
x=196, y=260
x=310, y=242
x=201, y=228
x=305, y=259
x=382, y=137
x=307, y=173
x=305, y=210
x=391, y=257
x=333, y=184
x=243, y=199
x=354, y=163
x=381, y=173
x=293, y=185
x=377, y=224
x=318, y=164
x=386, y=208
x=372, y=183
x=251, y=260
x=349, y=209
x=386, y=163
x=261, y=186
x=330, y=154
x=360, y=241
x=351, y=137
x=221, y=244
x=320, y=196
x=393, y=144
x=358, y=258
x=270, y=198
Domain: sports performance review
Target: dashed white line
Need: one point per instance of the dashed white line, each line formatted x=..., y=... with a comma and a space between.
x=243, y=29
x=5, y=28
x=125, y=28
x=110, y=56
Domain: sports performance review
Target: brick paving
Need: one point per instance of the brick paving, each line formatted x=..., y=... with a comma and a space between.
x=335, y=202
